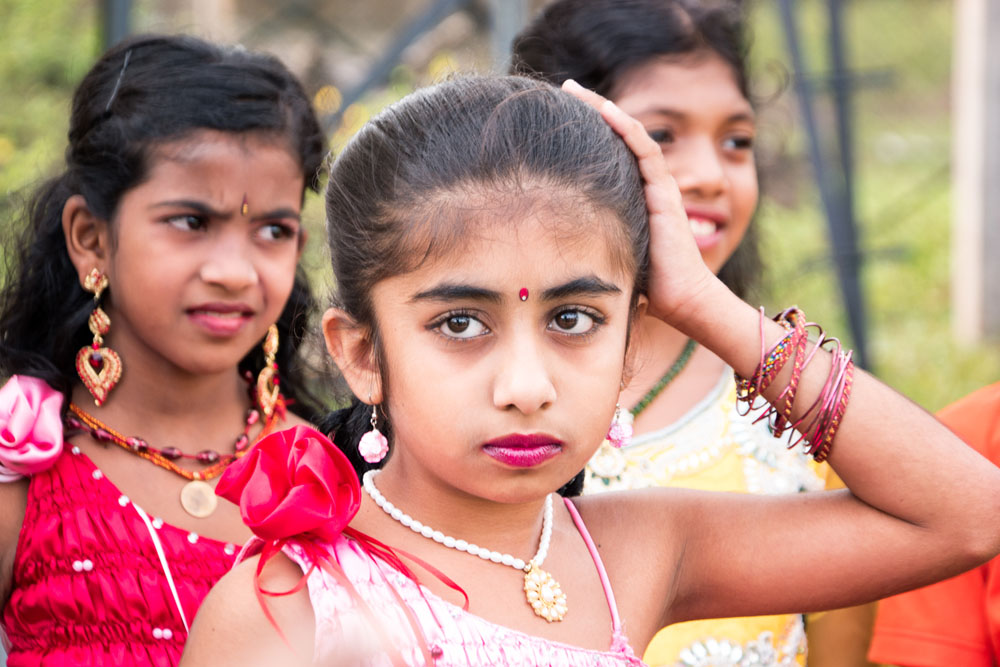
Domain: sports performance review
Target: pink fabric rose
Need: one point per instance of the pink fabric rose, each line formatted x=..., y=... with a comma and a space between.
x=293, y=482
x=31, y=429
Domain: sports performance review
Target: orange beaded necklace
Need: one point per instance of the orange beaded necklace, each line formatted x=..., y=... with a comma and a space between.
x=197, y=498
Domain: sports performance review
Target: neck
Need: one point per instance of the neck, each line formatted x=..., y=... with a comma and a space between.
x=190, y=412
x=657, y=345
x=509, y=527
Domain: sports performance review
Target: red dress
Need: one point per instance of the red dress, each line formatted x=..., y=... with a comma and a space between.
x=90, y=586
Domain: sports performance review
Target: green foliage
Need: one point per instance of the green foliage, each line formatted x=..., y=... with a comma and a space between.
x=901, y=145
x=47, y=48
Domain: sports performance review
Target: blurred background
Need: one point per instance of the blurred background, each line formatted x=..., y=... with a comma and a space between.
x=856, y=134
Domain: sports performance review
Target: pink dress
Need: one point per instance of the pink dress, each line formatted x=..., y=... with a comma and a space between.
x=91, y=586
x=453, y=636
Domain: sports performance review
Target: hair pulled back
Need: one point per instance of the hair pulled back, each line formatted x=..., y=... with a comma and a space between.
x=145, y=91
x=597, y=42
x=499, y=135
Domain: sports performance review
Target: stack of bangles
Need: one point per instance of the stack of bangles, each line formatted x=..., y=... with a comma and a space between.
x=818, y=425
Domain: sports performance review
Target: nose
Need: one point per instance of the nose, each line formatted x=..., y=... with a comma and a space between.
x=229, y=264
x=523, y=381
x=698, y=168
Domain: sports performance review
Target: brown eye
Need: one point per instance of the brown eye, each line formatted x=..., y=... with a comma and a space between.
x=567, y=320
x=458, y=324
x=572, y=321
x=460, y=327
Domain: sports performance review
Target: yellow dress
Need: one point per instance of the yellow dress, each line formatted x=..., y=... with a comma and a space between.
x=713, y=448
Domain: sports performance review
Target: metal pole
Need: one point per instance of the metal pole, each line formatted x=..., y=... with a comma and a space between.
x=379, y=71
x=117, y=21
x=507, y=17
x=842, y=233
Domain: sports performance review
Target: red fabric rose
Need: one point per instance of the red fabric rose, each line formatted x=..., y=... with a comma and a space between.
x=293, y=482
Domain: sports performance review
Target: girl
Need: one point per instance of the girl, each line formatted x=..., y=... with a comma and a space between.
x=493, y=252
x=156, y=305
x=679, y=67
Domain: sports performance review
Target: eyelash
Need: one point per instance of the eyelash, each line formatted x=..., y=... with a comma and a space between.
x=597, y=321
x=596, y=318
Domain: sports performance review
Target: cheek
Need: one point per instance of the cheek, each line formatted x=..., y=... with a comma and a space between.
x=745, y=194
x=279, y=275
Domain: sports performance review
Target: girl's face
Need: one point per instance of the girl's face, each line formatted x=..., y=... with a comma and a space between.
x=195, y=277
x=705, y=127
x=497, y=395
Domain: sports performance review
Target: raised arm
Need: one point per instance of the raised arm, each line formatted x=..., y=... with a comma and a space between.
x=921, y=506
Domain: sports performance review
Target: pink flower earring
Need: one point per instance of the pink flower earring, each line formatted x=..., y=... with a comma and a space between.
x=620, y=432
x=373, y=445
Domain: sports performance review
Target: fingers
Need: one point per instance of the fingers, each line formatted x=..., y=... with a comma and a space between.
x=590, y=97
x=651, y=163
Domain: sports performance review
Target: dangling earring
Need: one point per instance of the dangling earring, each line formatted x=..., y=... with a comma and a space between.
x=100, y=368
x=268, y=392
x=620, y=432
x=373, y=446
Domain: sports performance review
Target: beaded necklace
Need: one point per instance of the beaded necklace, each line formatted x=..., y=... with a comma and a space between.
x=675, y=368
x=541, y=591
x=197, y=498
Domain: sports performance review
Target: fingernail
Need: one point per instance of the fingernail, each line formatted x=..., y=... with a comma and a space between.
x=570, y=84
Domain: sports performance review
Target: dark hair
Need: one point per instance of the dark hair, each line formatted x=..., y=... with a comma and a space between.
x=597, y=42
x=145, y=91
x=391, y=198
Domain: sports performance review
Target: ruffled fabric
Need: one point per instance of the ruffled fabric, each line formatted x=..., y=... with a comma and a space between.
x=31, y=430
x=88, y=585
x=293, y=482
x=454, y=636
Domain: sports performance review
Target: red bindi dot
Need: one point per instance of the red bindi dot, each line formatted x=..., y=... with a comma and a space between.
x=523, y=294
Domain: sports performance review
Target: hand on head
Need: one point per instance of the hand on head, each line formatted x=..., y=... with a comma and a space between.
x=677, y=272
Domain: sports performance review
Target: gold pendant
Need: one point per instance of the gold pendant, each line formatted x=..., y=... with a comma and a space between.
x=198, y=499
x=544, y=594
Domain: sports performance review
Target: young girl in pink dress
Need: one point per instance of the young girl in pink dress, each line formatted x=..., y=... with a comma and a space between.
x=155, y=311
x=494, y=241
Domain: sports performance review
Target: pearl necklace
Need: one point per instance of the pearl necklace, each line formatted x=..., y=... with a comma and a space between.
x=541, y=591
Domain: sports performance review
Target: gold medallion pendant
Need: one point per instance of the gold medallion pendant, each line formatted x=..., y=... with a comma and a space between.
x=544, y=594
x=198, y=499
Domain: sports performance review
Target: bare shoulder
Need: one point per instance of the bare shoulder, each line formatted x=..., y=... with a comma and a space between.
x=13, y=503
x=232, y=628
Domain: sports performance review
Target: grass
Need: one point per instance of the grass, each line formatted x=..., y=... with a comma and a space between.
x=902, y=144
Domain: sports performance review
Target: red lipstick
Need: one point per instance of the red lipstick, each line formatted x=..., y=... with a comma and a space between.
x=221, y=319
x=523, y=451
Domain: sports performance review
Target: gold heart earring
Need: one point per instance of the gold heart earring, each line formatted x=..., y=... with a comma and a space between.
x=100, y=368
x=268, y=393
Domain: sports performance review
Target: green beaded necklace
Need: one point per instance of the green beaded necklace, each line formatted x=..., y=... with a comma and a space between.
x=668, y=377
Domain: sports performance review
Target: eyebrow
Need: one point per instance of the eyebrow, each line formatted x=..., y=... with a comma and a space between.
x=207, y=210
x=585, y=286
x=738, y=117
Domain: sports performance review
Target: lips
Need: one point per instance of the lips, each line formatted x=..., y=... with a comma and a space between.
x=221, y=319
x=523, y=451
x=706, y=226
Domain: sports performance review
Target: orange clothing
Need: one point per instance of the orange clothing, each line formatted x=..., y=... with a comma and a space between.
x=956, y=621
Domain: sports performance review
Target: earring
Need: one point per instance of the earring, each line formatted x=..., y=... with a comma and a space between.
x=373, y=445
x=267, y=380
x=620, y=432
x=100, y=368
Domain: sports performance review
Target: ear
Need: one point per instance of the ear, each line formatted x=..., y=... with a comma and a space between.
x=351, y=347
x=642, y=304
x=87, y=237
